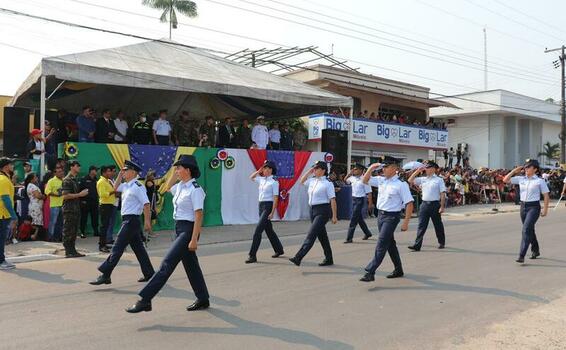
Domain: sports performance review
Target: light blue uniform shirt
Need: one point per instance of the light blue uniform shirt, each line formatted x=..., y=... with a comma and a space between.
x=320, y=190
x=268, y=188
x=431, y=187
x=162, y=127
x=531, y=187
x=393, y=193
x=134, y=197
x=187, y=198
x=359, y=188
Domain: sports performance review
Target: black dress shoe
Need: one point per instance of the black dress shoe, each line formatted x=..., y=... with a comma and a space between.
x=441, y=246
x=535, y=255
x=295, y=261
x=276, y=255
x=348, y=241
x=74, y=254
x=83, y=235
x=104, y=249
x=144, y=279
x=326, y=262
x=139, y=306
x=366, y=237
x=368, y=277
x=520, y=260
x=198, y=305
x=413, y=248
x=101, y=280
x=396, y=274
x=251, y=260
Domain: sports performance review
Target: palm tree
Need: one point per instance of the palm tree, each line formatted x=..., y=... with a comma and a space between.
x=169, y=7
x=550, y=152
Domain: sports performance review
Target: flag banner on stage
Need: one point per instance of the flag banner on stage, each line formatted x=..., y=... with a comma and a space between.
x=231, y=198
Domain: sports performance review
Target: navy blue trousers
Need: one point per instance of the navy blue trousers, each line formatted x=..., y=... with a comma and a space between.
x=429, y=211
x=264, y=224
x=130, y=233
x=178, y=252
x=386, y=223
x=530, y=212
x=358, y=217
x=319, y=214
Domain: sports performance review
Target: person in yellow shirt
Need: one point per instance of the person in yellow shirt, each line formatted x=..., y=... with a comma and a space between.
x=106, y=199
x=53, y=191
x=7, y=213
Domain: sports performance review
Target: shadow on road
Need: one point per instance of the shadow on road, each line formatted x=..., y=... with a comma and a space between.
x=45, y=277
x=429, y=283
x=245, y=327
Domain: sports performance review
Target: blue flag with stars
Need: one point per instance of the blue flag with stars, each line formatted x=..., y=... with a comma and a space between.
x=157, y=158
x=285, y=162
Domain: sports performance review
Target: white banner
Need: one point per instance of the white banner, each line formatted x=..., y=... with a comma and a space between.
x=380, y=132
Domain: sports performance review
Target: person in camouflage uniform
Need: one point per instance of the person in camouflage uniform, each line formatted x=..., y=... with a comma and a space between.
x=185, y=132
x=71, y=209
x=209, y=129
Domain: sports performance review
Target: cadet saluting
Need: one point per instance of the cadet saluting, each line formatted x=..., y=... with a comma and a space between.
x=134, y=201
x=393, y=196
x=361, y=194
x=268, y=199
x=322, y=200
x=434, y=196
x=188, y=203
x=531, y=187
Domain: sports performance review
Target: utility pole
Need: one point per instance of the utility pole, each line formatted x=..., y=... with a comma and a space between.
x=485, y=59
x=562, y=104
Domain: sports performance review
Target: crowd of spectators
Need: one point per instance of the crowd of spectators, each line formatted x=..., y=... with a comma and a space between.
x=393, y=117
x=162, y=129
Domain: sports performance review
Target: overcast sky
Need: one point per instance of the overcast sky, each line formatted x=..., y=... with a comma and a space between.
x=435, y=43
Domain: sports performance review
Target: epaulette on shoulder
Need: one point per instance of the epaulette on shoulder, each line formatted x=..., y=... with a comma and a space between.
x=138, y=183
x=196, y=184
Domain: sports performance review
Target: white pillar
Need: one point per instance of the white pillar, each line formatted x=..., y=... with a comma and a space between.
x=350, y=136
x=42, y=122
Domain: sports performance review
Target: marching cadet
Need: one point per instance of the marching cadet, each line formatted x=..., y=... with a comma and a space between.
x=361, y=194
x=322, y=202
x=134, y=201
x=531, y=187
x=434, y=196
x=188, y=203
x=268, y=200
x=393, y=196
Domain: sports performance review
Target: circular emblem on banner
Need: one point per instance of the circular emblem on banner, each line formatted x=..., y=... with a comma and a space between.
x=215, y=163
x=71, y=150
x=329, y=157
x=394, y=132
x=230, y=163
x=222, y=154
x=283, y=194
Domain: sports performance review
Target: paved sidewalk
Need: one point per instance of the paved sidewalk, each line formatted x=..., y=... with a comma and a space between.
x=33, y=251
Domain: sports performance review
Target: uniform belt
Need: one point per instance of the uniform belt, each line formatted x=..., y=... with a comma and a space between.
x=130, y=216
x=185, y=221
x=266, y=201
x=320, y=205
x=430, y=201
x=389, y=212
x=531, y=203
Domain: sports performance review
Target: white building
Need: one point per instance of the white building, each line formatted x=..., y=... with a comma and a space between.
x=371, y=94
x=501, y=128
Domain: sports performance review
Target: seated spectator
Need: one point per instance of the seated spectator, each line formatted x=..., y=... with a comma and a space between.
x=29, y=232
x=121, y=127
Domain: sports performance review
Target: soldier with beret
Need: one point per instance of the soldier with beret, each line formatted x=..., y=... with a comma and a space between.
x=134, y=201
x=531, y=188
x=432, y=206
x=268, y=200
x=188, y=204
x=361, y=195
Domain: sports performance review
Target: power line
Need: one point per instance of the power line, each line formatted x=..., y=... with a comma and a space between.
x=541, y=81
x=530, y=16
x=387, y=33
